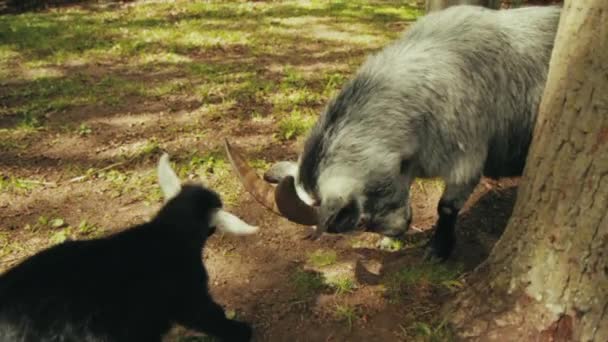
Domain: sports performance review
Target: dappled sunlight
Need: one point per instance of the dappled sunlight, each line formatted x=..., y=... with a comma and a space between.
x=73, y=57
x=93, y=94
x=162, y=57
x=37, y=73
x=125, y=121
x=285, y=100
x=214, y=109
x=9, y=62
x=327, y=29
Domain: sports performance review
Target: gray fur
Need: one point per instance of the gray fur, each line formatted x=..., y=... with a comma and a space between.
x=280, y=170
x=455, y=97
x=436, y=5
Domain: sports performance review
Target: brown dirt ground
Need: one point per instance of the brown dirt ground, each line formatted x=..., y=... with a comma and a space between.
x=250, y=275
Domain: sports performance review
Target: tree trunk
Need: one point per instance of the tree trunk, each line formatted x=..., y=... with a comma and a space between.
x=436, y=5
x=547, y=277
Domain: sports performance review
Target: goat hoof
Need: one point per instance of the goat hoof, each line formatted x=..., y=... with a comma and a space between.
x=438, y=250
x=310, y=236
x=241, y=332
x=431, y=255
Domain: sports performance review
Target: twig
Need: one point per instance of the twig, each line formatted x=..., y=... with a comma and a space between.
x=296, y=302
x=29, y=181
x=83, y=177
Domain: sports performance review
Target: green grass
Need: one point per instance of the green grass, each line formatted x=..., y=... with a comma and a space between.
x=259, y=164
x=321, y=258
x=70, y=58
x=84, y=129
x=59, y=230
x=29, y=121
x=10, y=141
x=87, y=228
x=391, y=244
x=342, y=285
x=423, y=331
x=290, y=99
x=292, y=78
x=16, y=185
x=295, y=124
x=346, y=313
x=361, y=241
x=425, y=276
x=147, y=148
x=431, y=184
x=307, y=284
x=213, y=170
x=138, y=185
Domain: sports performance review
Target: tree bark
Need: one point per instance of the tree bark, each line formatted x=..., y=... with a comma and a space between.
x=547, y=277
x=436, y=5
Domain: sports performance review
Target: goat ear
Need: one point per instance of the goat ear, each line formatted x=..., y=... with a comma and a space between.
x=170, y=184
x=230, y=223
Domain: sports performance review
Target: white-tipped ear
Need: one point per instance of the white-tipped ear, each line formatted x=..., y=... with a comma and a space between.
x=170, y=184
x=230, y=223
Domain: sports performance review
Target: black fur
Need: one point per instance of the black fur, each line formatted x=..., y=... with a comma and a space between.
x=131, y=286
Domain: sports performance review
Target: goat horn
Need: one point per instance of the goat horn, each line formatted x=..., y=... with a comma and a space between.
x=282, y=200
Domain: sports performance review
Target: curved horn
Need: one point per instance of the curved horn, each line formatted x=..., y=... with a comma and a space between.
x=291, y=206
x=282, y=200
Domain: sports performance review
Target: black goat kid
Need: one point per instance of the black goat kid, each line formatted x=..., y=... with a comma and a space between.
x=131, y=286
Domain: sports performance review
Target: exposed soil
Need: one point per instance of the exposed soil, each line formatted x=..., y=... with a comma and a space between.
x=250, y=275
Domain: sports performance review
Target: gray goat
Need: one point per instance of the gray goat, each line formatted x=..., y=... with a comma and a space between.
x=456, y=97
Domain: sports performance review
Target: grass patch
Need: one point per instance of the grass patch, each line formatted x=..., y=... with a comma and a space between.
x=87, y=228
x=307, y=284
x=295, y=124
x=292, y=78
x=342, y=285
x=427, y=332
x=117, y=180
x=214, y=171
x=321, y=258
x=362, y=241
x=59, y=230
x=29, y=121
x=137, y=185
x=69, y=58
x=148, y=148
x=290, y=99
x=16, y=185
x=431, y=184
x=11, y=141
x=84, y=129
x=422, y=279
x=392, y=244
x=259, y=164
x=34, y=99
x=346, y=313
